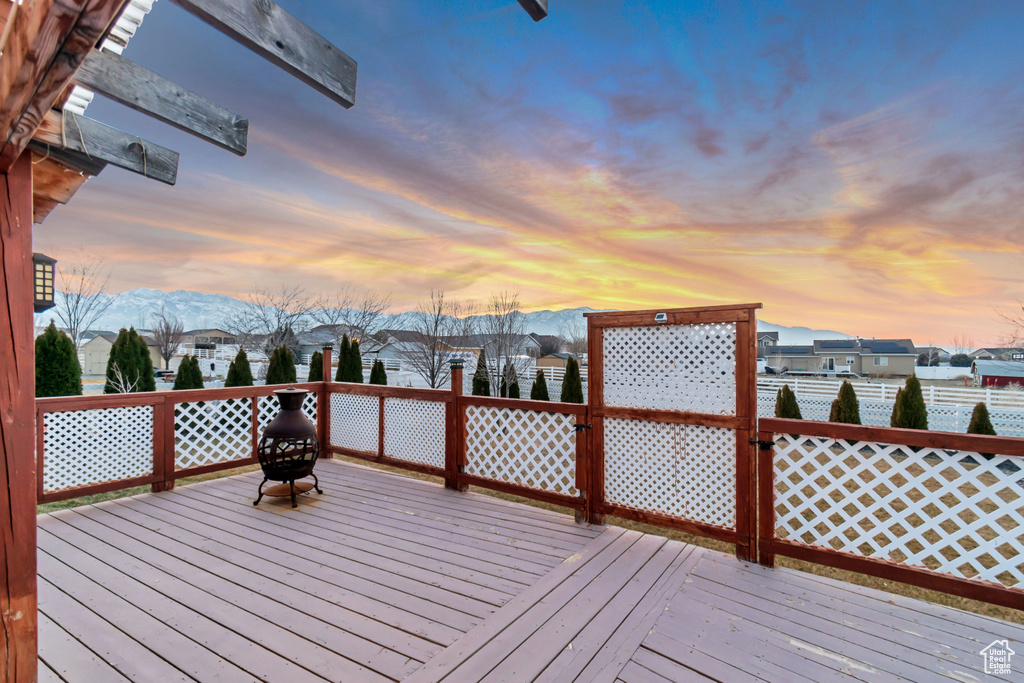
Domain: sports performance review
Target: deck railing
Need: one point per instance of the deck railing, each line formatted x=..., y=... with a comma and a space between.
x=940, y=510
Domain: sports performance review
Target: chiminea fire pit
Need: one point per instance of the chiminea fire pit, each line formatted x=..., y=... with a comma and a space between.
x=289, y=449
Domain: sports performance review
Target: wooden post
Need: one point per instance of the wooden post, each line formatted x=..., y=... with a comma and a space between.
x=163, y=445
x=765, y=498
x=595, y=396
x=380, y=428
x=19, y=636
x=323, y=404
x=453, y=442
x=746, y=454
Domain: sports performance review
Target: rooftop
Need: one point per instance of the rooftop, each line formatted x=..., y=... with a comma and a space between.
x=385, y=577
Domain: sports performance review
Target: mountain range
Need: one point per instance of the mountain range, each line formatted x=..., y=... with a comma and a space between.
x=140, y=307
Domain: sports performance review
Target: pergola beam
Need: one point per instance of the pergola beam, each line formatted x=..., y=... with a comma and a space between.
x=100, y=141
x=124, y=81
x=537, y=9
x=266, y=29
x=47, y=42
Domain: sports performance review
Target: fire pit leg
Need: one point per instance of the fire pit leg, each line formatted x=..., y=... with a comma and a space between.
x=316, y=483
x=259, y=496
x=294, y=502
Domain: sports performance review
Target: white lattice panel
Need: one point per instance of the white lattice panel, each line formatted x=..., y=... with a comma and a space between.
x=672, y=367
x=680, y=470
x=83, y=447
x=414, y=430
x=955, y=512
x=269, y=406
x=355, y=422
x=523, y=447
x=209, y=432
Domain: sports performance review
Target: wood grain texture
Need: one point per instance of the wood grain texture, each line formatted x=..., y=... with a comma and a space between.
x=124, y=81
x=269, y=31
x=100, y=141
x=48, y=42
x=18, y=635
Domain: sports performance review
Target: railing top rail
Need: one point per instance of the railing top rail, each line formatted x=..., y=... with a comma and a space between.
x=679, y=316
x=93, y=401
x=440, y=395
x=525, y=404
x=978, y=443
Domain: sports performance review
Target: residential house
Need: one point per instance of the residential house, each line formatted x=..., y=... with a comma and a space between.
x=554, y=360
x=547, y=343
x=791, y=359
x=937, y=354
x=208, y=338
x=766, y=340
x=1008, y=354
x=871, y=357
x=96, y=352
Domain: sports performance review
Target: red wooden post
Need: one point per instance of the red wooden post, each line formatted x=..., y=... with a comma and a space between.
x=380, y=429
x=323, y=404
x=18, y=602
x=454, y=451
x=595, y=400
x=765, y=497
x=255, y=426
x=746, y=458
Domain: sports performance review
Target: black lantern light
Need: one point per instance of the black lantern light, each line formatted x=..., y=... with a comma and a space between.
x=289, y=448
x=42, y=267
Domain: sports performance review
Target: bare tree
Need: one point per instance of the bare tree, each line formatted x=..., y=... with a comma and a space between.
x=962, y=343
x=574, y=332
x=356, y=313
x=81, y=299
x=503, y=331
x=168, y=332
x=121, y=383
x=271, y=317
x=436, y=324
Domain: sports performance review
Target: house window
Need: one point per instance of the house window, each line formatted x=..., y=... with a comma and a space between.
x=850, y=360
x=881, y=360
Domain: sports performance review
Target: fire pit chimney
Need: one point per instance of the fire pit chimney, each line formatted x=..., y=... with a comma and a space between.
x=288, y=449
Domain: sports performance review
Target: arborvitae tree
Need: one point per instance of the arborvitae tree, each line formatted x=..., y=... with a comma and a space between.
x=897, y=409
x=129, y=367
x=572, y=385
x=786, y=405
x=281, y=369
x=513, y=389
x=481, y=384
x=189, y=376
x=539, y=390
x=316, y=367
x=960, y=360
x=343, y=349
x=355, y=363
x=378, y=375
x=846, y=408
x=981, y=422
x=239, y=372
x=57, y=369
x=913, y=414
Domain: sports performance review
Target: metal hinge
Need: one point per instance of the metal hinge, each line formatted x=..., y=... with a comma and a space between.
x=763, y=444
x=580, y=428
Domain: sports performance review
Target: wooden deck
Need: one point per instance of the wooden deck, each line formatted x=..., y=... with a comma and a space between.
x=385, y=577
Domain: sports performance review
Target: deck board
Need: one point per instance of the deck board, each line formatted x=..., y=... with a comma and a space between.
x=385, y=577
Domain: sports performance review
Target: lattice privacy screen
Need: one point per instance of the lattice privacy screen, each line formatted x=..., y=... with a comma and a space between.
x=672, y=367
x=680, y=470
x=208, y=432
x=522, y=447
x=269, y=406
x=414, y=430
x=83, y=447
x=956, y=512
x=355, y=422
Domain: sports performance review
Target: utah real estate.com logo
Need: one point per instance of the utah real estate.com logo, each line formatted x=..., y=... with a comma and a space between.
x=997, y=657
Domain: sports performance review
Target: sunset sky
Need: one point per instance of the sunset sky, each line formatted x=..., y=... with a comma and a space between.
x=853, y=166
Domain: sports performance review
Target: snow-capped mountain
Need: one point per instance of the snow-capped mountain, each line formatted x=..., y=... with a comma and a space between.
x=140, y=307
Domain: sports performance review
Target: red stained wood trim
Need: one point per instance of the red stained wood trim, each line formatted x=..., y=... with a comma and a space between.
x=380, y=428
x=48, y=42
x=193, y=395
x=980, y=443
x=393, y=462
x=159, y=444
x=168, y=445
x=452, y=432
x=583, y=465
x=985, y=591
x=673, y=416
x=440, y=395
x=352, y=453
x=92, y=489
x=525, y=404
x=746, y=456
x=58, y=404
x=18, y=436
x=40, y=451
x=524, y=491
x=595, y=395
x=678, y=316
x=659, y=519
x=765, y=500
x=255, y=426
x=215, y=467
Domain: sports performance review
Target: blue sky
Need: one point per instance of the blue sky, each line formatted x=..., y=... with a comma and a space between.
x=853, y=166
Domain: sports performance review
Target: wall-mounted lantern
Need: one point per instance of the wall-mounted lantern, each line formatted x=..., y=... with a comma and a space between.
x=42, y=273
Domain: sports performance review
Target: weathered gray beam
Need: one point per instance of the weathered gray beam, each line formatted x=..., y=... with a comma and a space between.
x=269, y=31
x=100, y=141
x=124, y=81
x=76, y=160
x=538, y=9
